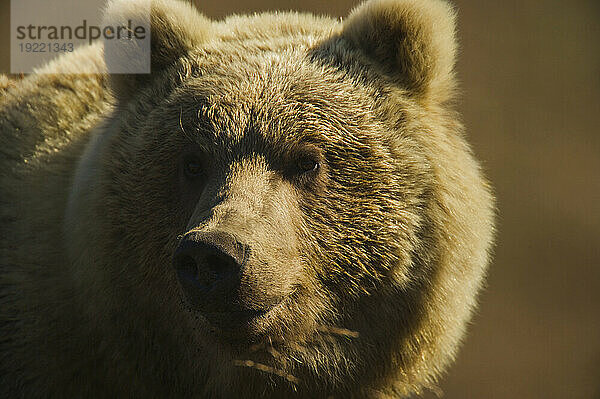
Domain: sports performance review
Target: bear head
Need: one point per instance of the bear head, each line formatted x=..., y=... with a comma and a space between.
x=285, y=204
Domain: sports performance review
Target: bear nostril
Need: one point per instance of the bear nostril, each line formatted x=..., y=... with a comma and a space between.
x=221, y=266
x=187, y=269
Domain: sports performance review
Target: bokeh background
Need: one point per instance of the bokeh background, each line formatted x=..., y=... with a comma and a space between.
x=530, y=73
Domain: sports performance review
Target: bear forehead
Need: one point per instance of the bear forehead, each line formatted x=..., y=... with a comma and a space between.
x=284, y=94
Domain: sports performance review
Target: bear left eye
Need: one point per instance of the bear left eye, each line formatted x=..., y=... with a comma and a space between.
x=306, y=165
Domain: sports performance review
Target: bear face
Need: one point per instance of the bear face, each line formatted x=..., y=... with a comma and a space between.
x=275, y=158
x=285, y=206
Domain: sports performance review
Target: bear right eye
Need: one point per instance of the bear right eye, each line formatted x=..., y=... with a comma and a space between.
x=192, y=168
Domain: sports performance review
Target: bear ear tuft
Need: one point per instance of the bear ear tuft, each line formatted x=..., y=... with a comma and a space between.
x=172, y=29
x=411, y=41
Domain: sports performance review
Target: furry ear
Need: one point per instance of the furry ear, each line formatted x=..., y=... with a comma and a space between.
x=172, y=28
x=411, y=41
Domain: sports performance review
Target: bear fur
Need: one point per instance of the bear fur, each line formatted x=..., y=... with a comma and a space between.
x=365, y=260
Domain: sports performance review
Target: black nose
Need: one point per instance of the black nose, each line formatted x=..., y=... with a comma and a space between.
x=208, y=267
x=206, y=258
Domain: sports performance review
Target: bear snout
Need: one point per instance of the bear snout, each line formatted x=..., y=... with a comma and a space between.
x=209, y=267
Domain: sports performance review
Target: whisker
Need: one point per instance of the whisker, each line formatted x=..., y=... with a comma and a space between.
x=273, y=352
x=266, y=369
x=338, y=331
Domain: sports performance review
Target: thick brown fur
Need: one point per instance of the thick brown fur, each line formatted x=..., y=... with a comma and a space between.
x=373, y=262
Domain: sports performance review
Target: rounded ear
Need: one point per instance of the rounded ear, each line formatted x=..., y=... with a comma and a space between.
x=167, y=30
x=411, y=41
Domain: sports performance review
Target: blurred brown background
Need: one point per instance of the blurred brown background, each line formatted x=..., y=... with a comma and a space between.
x=530, y=73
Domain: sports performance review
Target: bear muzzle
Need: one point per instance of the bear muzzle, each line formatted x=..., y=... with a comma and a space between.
x=210, y=269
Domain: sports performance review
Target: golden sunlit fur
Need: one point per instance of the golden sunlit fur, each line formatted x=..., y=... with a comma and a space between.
x=373, y=261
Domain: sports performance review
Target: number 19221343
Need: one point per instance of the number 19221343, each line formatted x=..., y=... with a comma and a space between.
x=48, y=47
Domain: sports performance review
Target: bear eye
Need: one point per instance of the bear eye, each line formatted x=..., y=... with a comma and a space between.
x=192, y=167
x=307, y=164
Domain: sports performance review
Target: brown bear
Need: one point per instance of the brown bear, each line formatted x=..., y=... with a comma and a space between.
x=285, y=207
